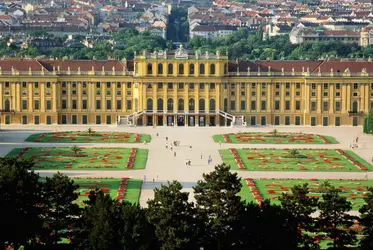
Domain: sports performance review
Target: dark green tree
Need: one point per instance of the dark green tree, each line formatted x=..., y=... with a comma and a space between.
x=61, y=216
x=20, y=201
x=369, y=127
x=101, y=227
x=366, y=220
x=220, y=207
x=268, y=227
x=301, y=206
x=138, y=233
x=173, y=218
x=335, y=221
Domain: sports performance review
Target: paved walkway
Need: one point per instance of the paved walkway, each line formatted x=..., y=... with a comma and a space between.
x=162, y=166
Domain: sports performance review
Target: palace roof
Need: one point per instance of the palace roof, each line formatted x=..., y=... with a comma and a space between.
x=353, y=66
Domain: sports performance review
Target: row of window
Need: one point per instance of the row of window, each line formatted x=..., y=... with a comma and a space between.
x=253, y=120
x=181, y=71
x=297, y=121
x=74, y=104
x=232, y=85
x=191, y=104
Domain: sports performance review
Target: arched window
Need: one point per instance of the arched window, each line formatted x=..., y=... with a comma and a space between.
x=149, y=104
x=181, y=69
x=225, y=69
x=170, y=69
x=354, y=106
x=160, y=104
x=160, y=68
x=202, y=68
x=180, y=104
x=150, y=69
x=225, y=104
x=191, y=105
x=201, y=104
x=212, y=69
x=191, y=69
x=7, y=105
x=170, y=105
x=212, y=105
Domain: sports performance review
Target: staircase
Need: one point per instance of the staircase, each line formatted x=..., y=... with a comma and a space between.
x=228, y=117
x=129, y=120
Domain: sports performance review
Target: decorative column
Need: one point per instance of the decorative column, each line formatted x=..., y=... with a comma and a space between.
x=55, y=101
x=18, y=97
x=42, y=97
x=344, y=97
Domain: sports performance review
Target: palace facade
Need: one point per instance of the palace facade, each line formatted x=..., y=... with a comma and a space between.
x=185, y=89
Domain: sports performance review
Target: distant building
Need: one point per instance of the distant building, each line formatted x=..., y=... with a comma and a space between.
x=271, y=30
x=215, y=31
x=308, y=35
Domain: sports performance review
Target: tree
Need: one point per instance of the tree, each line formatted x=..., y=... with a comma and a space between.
x=219, y=206
x=294, y=153
x=334, y=220
x=60, y=214
x=268, y=227
x=366, y=220
x=90, y=131
x=76, y=151
x=101, y=224
x=369, y=127
x=173, y=218
x=20, y=199
x=275, y=133
x=301, y=206
x=138, y=233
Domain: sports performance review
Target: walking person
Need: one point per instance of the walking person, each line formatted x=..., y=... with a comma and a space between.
x=366, y=175
x=166, y=145
x=166, y=138
x=157, y=134
x=201, y=156
x=171, y=147
x=174, y=153
x=144, y=178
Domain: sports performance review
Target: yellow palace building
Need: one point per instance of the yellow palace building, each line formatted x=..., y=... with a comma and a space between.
x=180, y=88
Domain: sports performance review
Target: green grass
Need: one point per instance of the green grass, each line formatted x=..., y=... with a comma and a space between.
x=132, y=194
x=84, y=137
x=352, y=189
x=133, y=191
x=92, y=158
x=268, y=138
x=274, y=160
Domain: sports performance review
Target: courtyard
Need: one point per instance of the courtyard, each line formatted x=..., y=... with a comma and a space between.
x=162, y=165
x=84, y=158
x=333, y=160
x=274, y=137
x=89, y=137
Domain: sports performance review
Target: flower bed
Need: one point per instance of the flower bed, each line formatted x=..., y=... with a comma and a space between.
x=270, y=138
x=282, y=160
x=90, y=158
x=124, y=189
x=85, y=137
x=272, y=189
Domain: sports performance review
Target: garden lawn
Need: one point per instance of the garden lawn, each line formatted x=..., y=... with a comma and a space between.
x=91, y=158
x=270, y=138
x=273, y=188
x=84, y=137
x=109, y=186
x=333, y=160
